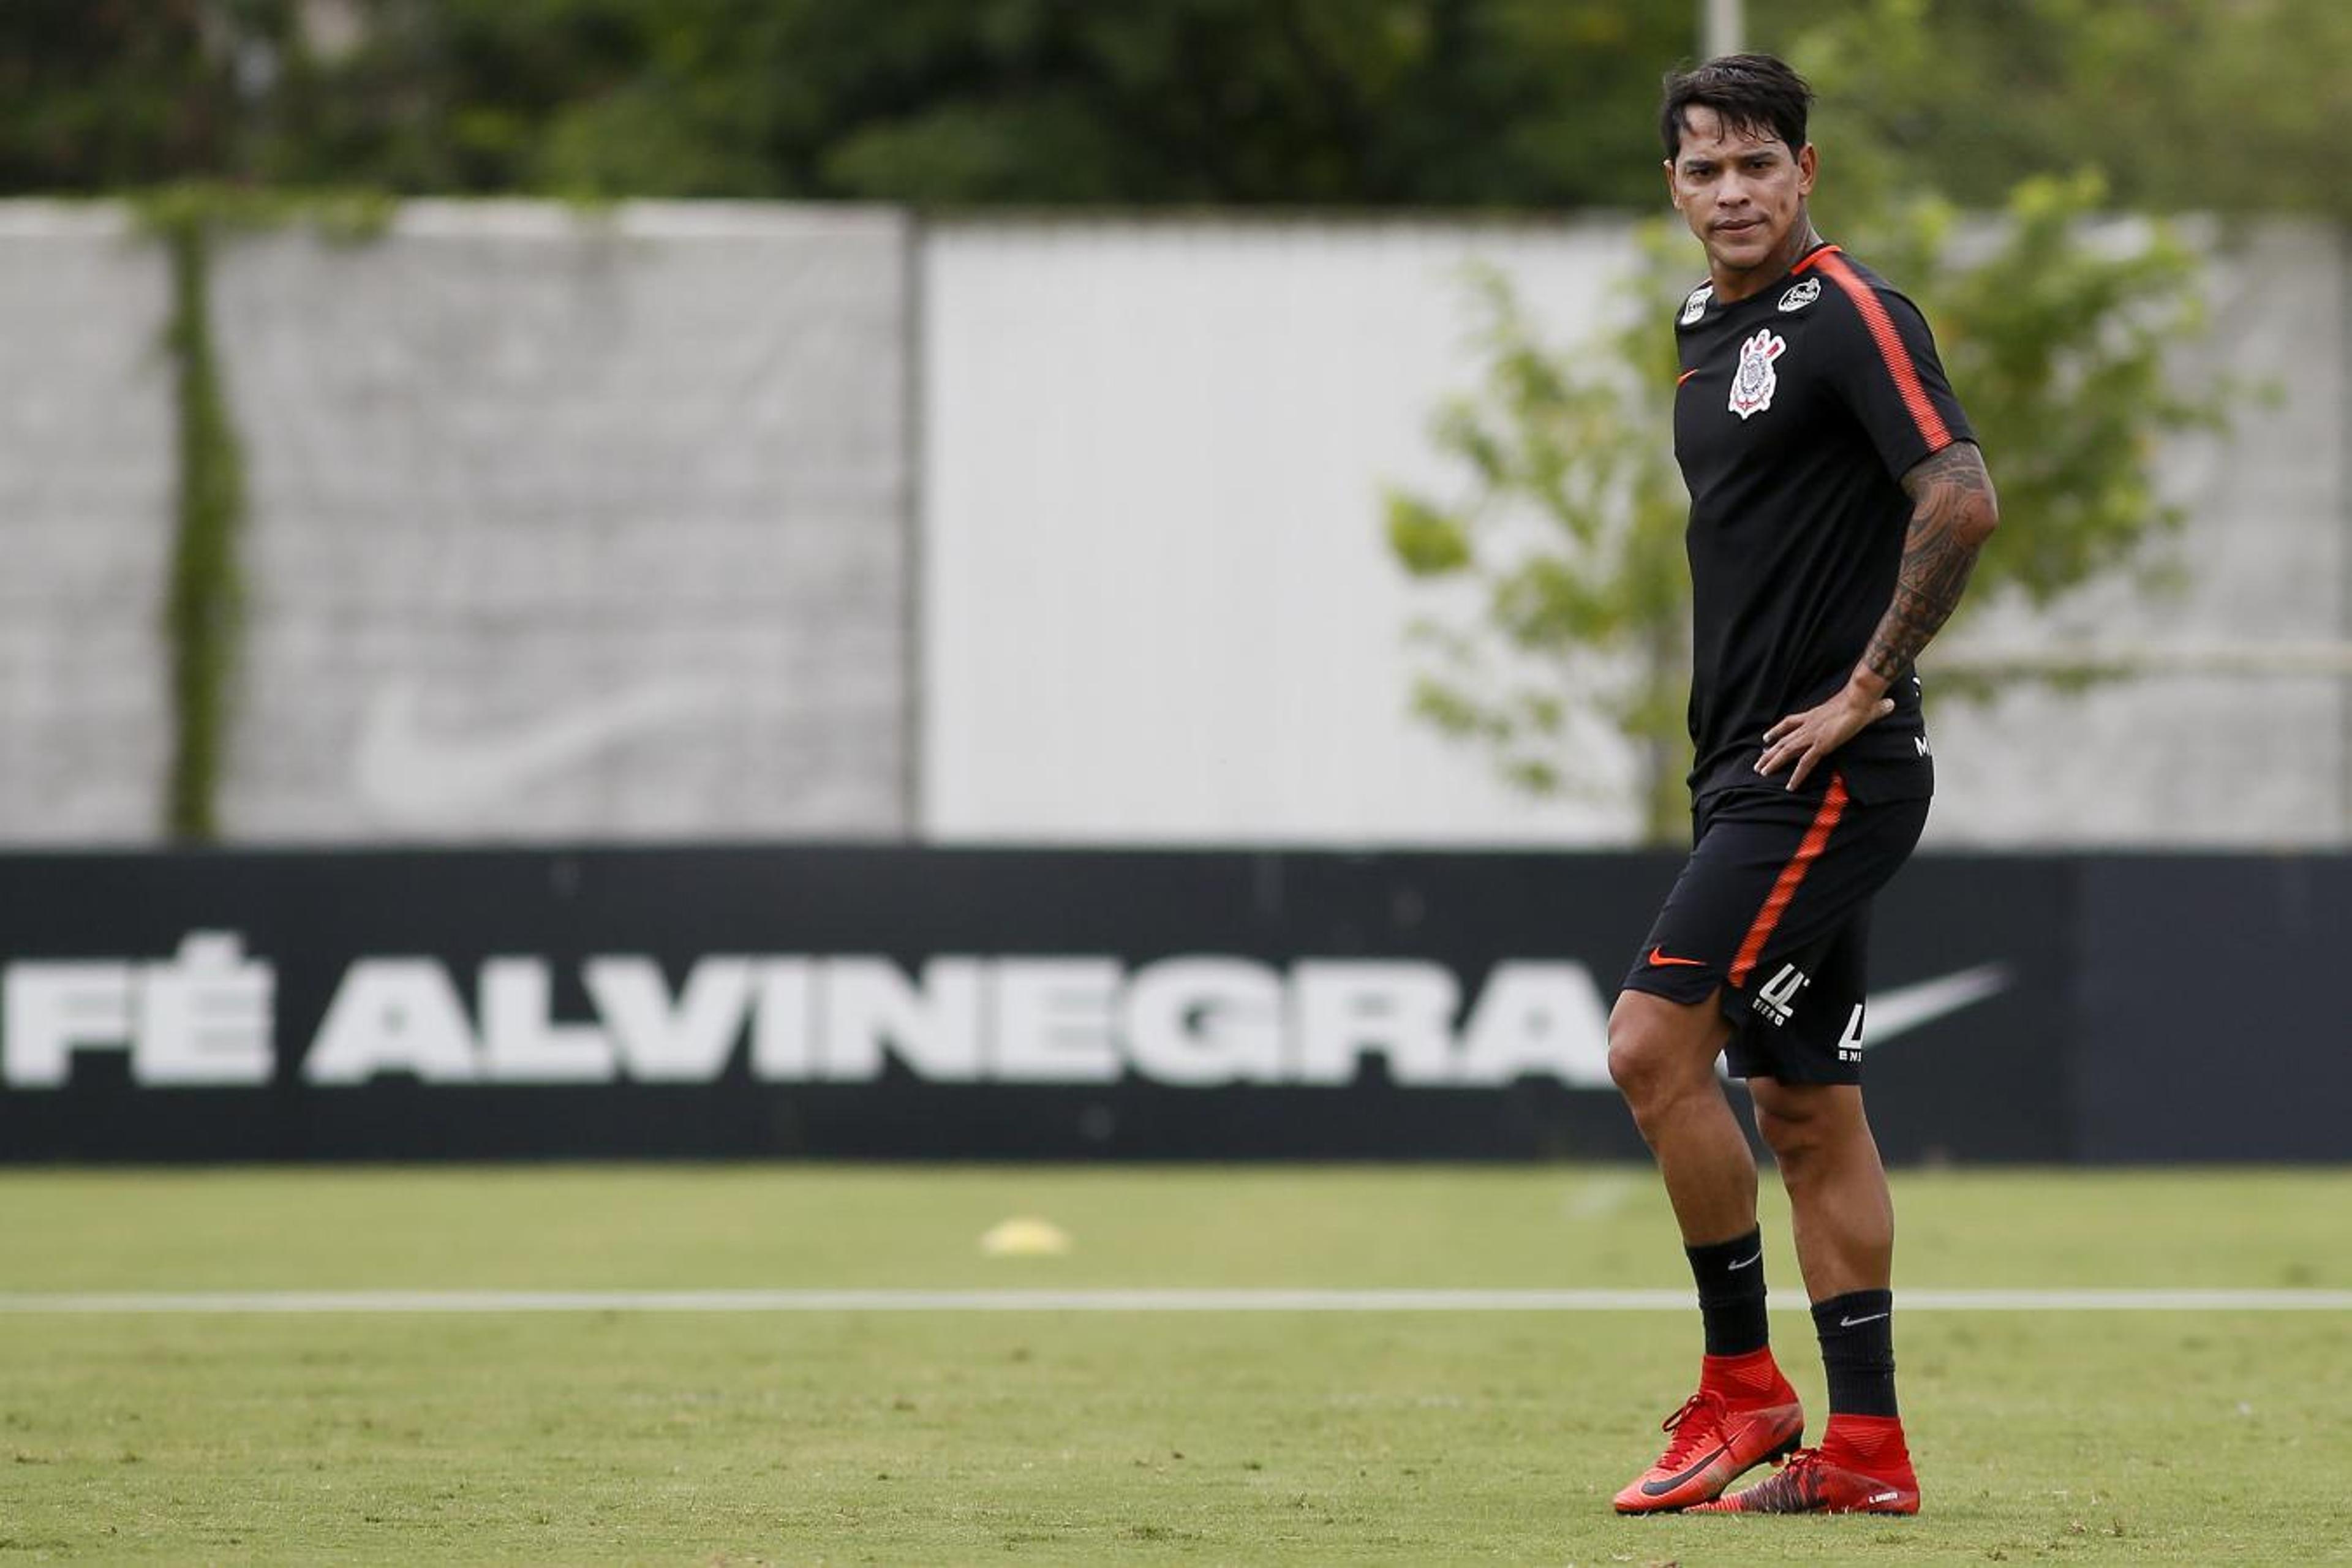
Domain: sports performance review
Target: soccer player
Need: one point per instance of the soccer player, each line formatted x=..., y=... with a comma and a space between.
x=1838, y=501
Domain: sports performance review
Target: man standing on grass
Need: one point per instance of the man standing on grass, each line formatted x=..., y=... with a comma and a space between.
x=1838, y=501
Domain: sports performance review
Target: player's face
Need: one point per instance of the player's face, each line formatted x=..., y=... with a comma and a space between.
x=1743, y=194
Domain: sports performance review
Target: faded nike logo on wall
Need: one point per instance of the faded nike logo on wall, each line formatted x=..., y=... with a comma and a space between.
x=1908, y=1007
x=415, y=775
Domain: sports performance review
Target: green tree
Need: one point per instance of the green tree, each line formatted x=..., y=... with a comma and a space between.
x=1564, y=536
x=2220, y=104
x=1362, y=103
x=96, y=94
x=1560, y=560
x=2224, y=106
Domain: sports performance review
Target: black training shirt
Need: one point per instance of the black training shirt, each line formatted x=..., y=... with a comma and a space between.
x=1799, y=410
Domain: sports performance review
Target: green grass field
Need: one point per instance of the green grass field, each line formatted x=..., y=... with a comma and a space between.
x=935, y=1436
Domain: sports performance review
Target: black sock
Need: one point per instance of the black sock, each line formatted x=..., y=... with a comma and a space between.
x=1730, y=1276
x=1857, y=1332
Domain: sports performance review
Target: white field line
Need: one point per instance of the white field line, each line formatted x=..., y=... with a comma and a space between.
x=1602, y=1196
x=1118, y=1300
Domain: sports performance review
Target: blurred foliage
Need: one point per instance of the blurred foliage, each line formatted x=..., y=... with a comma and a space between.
x=1429, y=102
x=2182, y=105
x=99, y=94
x=204, y=610
x=1558, y=559
x=1439, y=103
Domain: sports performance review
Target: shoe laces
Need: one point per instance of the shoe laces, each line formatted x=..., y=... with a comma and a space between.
x=1793, y=1485
x=1693, y=1427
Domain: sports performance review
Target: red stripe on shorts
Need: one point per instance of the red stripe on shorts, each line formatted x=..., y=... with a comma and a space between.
x=1793, y=876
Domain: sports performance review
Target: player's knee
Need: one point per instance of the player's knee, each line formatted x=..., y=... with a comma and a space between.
x=1791, y=1132
x=1649, y=1061
x=1797, y=1122
x=1632, y=1063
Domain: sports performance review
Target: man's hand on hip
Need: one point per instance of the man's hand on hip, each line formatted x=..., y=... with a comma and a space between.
x=1807, y=739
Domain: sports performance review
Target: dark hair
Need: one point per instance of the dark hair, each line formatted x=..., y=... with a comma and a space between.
x=1752, y=93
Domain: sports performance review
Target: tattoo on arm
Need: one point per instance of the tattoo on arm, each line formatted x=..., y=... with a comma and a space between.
x=1953, y=512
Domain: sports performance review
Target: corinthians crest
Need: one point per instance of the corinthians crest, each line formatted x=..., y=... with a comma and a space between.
x=1753, y=385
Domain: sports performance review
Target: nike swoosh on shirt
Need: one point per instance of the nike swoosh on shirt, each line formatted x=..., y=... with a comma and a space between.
x=1908, y=1007
x=1658, y=959
x=414, y=775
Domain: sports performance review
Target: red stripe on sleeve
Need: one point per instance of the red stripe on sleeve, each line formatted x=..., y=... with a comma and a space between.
x=1891, y=348
x=1793, y=876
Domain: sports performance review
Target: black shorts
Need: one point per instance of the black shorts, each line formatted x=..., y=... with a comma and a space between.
x=1773, y=910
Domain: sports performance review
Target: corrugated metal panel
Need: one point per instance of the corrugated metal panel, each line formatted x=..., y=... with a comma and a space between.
x=1158, y=601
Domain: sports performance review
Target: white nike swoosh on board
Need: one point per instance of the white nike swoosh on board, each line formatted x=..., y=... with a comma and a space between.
x=1906, y=1007
x=413, y=775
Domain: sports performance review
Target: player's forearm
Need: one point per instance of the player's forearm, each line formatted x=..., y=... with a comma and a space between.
x=1954, y=511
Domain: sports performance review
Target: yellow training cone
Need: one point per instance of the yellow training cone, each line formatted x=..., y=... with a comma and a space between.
x=1025, y=1237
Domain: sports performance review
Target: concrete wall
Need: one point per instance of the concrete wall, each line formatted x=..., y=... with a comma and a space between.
x=87, y=463
x=711, y=521
x=575, y=527
x=2240, y=737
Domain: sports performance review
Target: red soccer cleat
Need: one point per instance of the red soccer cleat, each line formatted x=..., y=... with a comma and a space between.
x=1714, y=1442
x=1810, y=1482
